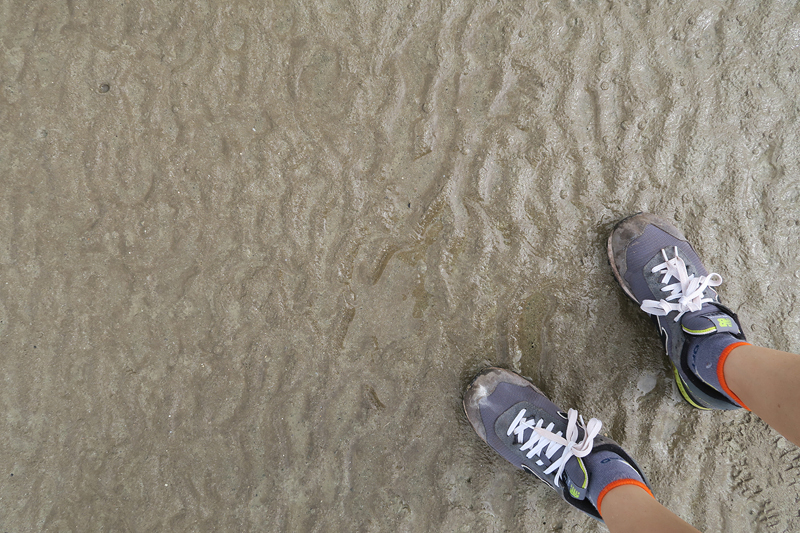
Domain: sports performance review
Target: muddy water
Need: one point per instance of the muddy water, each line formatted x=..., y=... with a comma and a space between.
x=252, y=252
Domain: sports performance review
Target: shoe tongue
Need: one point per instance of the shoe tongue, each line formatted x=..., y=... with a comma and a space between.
x=576, y=478
x=710, y=319
x=574, y=475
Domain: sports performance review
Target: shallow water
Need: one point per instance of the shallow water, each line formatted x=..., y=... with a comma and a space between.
x=245, y=284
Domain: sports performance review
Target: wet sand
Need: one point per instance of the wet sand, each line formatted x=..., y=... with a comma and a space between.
x=251, y=253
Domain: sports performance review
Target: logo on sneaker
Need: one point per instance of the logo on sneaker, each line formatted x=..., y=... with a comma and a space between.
x=574, y=492
x=725, y=322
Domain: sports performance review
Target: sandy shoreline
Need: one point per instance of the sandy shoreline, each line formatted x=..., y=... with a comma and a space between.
x=251, y=254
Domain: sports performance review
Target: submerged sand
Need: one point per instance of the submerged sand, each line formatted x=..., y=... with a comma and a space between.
x=251, y=253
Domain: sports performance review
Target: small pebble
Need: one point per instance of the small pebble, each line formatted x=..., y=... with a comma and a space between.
x=104, y=88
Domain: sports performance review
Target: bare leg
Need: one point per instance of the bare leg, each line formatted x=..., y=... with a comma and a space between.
x=768, y=382
x=629, y=509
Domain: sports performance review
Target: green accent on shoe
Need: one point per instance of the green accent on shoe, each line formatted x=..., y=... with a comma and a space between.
x=585, y=473
x=724, y=322
x=682, y=387
x=712, y=329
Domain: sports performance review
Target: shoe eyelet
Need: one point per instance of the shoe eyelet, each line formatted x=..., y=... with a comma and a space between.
x=563, y=415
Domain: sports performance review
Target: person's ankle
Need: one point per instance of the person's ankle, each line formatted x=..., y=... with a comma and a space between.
x=607, y=471
x=706, y=357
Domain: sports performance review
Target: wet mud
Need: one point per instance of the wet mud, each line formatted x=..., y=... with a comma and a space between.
x=251, y=253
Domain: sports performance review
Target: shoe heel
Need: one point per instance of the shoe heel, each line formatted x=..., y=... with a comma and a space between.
x=685, y=391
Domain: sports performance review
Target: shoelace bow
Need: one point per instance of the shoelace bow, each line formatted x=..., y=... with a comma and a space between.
x=542, y=437
x=688, y=291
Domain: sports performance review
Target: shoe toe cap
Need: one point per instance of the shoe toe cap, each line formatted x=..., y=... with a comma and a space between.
x=481, y=389
x=628, y=230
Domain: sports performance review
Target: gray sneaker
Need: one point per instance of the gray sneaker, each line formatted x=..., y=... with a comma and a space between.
x=658, y=268
x=532, y=433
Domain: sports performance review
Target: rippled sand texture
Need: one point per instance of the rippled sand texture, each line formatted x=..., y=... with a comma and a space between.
x=244, y=285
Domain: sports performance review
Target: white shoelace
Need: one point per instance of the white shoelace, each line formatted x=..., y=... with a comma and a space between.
x=544, y=437
x=688, y=291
